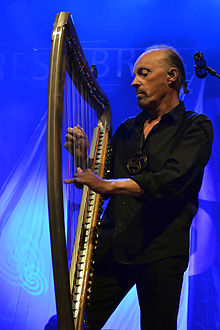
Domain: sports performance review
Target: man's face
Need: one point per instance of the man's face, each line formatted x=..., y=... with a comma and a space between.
x=151, y=79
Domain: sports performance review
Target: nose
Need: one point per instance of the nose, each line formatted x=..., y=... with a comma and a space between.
x=135, y=82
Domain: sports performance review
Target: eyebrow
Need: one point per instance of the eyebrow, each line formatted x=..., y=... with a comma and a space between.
x=141, y=68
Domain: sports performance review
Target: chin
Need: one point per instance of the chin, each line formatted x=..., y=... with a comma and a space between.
x=144, y=105
x=150, y=107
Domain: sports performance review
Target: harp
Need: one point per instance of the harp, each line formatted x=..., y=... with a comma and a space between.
x=72, y=283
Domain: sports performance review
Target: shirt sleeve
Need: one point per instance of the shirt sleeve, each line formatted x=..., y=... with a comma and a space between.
x=184, y=163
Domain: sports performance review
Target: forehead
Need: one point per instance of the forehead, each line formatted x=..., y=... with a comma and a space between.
x=151, y=59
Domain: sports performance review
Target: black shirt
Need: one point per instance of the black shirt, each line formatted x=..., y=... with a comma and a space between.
x=156, y=225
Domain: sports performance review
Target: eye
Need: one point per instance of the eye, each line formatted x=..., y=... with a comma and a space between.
x=144, y=72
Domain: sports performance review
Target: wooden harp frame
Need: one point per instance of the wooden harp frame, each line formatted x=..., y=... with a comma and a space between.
x=65, y=41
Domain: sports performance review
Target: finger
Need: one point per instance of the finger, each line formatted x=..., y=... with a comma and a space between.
x=79, y=170
x=74, y=142
x=68, y=181
x=70, y=130
x=72, y=180
x=80, y=131
x=70, y=138
x=69, y=146
x=75, y=131
x=80, y=128
x=78, y=175
x=76, y=183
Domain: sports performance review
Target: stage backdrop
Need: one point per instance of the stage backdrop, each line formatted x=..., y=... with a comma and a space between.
x=113, y=34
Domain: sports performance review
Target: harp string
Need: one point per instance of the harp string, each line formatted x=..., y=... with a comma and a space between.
x=68, y=168
x=77, y=112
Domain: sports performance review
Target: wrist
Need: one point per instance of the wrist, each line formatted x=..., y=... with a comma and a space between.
x=124, y=186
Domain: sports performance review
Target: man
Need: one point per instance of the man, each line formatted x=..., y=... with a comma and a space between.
x=157, y=168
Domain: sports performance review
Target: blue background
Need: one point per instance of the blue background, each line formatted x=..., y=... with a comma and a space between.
x=112, y=34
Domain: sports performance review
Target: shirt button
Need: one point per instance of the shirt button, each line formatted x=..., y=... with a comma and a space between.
x=123, y=203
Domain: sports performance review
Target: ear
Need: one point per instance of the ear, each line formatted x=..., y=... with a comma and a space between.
x=172, y=74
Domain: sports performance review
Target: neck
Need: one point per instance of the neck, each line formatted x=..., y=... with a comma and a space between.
x=164, y=107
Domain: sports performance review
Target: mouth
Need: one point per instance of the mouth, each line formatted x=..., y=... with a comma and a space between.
x=139, y=92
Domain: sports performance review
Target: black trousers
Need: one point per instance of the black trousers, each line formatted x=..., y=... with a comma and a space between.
x=158, y=287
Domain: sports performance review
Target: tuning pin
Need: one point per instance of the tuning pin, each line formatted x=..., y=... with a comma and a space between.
x=88, y=301
x=89, y=290
x=99, y=222
x=91, y=277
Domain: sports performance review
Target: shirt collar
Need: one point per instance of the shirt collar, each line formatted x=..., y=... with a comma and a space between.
x=176, y=113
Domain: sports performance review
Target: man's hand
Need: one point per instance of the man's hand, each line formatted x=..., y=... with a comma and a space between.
x=90, y=179
x=101, y=186
x=76, y=142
